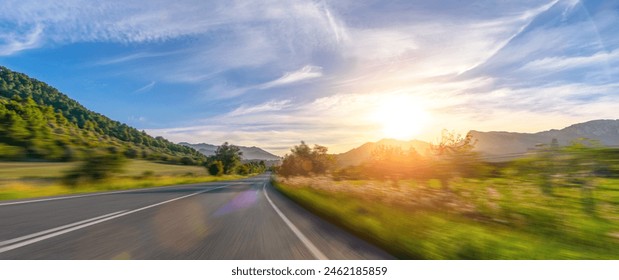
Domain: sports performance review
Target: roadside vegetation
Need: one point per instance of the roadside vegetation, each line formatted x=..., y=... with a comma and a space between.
x=107, y=169
x=20, y=180
x=52, y=145
x=450, y=203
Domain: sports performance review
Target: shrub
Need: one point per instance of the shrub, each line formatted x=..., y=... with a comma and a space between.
x=95, y=168
x=216, y=168
x=187, y=161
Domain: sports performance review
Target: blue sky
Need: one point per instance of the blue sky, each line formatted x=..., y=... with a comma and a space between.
x=273, y=73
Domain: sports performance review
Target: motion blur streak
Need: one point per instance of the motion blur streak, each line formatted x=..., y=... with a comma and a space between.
x=195, y=227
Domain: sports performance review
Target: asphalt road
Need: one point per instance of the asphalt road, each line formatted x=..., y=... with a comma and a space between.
x=233, y=220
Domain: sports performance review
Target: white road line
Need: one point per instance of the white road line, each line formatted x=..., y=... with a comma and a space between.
x=95, y=194
x=5, y=242
x=48, y=236
x=310, y=246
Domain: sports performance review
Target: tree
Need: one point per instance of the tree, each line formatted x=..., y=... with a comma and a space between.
x=229, y=156
x=393, y=162
x=306, y=161
x=454, y=156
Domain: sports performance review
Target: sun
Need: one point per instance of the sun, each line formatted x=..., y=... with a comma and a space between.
x=400, y=118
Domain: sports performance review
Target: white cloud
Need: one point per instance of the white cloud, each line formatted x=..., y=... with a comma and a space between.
x=273, y=105
x=570, y=62
x=145, y=88
x=308, y=72
x=11, y=43
x=133, y=57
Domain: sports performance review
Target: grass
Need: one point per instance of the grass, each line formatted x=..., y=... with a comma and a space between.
x=19, y=180
x=478, y=219
x=55, y=170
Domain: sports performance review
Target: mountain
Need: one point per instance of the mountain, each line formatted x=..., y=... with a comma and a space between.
x=364, y=152
x=501, y=143
x=41, y=123
x=249, y=153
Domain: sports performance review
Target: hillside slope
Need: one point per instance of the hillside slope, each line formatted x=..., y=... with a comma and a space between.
x=500, y=142
x=364, y=152
x=39, y=122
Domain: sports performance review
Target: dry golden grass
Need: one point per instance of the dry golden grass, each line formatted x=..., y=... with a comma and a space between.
x=493, y=218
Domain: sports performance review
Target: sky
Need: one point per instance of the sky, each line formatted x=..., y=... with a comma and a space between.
x=335, y=73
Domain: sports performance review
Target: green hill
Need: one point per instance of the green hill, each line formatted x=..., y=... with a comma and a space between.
x=37, y=122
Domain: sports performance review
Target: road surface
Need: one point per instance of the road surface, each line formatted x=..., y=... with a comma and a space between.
x=233, y=220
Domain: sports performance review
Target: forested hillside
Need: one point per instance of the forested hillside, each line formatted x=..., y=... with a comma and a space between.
x=39, y=122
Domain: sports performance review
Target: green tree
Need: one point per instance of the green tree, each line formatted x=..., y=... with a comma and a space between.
x=306, y=161
x=229, y=156
x=454, y=156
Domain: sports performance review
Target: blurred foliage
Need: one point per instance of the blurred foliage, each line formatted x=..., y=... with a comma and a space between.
x=96, y=167
x=489, y=218
x=552, y=202
x=39, y=122
x=216, y=168
x=227, y=160
x=305, y=161
x=451, y=157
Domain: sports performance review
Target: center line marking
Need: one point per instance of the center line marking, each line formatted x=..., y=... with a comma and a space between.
x=85, y=223
x=310, y=246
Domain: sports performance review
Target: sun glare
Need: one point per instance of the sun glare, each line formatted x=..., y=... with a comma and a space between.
x=400, y=118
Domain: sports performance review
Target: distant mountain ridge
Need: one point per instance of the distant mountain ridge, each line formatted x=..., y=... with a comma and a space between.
x=249, y=153
x=501, y=142
x=364, y=152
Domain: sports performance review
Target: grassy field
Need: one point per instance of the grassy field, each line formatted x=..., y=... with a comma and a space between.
x=55, y=170
x=476, y=219
x=36, y=179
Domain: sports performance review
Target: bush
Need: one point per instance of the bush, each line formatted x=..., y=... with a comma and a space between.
x=131, y=153
x=187, y=161
x=95, y=168
x=216, y=168
x=243, y=170
x=11, y=152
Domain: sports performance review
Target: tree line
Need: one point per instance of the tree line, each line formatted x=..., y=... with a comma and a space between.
x=453, y=157
x=227, y=160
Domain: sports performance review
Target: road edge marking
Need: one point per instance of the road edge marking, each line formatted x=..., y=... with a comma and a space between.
x=308, y=244
x=57, y=233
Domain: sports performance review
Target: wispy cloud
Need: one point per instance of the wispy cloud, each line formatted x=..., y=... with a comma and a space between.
x=273, y=105
x=570, y=62
x=145, y=88
x=308, y=72
x=133, y=57
x=11, y=43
